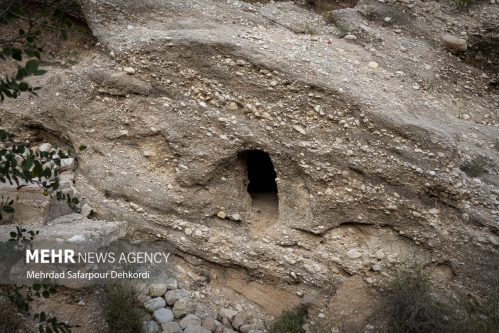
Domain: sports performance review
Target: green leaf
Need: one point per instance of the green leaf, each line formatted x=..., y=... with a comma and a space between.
x=8, y=209
x=82, y=147
x=45, y=294
x=47, y=173
x=17, y=55
x=23, y=86
x=32, y=66
x=43, y=317
x=27, y=164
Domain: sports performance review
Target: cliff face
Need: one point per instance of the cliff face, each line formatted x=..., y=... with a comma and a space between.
x=384, y=143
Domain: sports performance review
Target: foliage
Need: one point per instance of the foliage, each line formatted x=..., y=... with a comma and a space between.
x=410, y=307
x=21, y=166
x=463, y=3
x=475, y=167
x=25, y=48
x=483, y=318
x=306, y=29
x=21, y=296
x=10, y=321
x=290, y=321
x=123, y=312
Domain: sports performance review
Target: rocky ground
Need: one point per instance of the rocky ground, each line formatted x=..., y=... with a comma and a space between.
x=380, y=120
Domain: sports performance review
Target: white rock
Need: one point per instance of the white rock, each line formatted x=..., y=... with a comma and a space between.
x=77, y=239
x=190, y=320
x=129, y=70
x=154, y=304
x=45, y=147
x=172, y=296
x=354, y=254
x=171, y=284
x=188, y=231
x=163, y=315
x=157, y=289
x=171, y=327
x=372, y=65
x=67, y=164
x=300, y=129
x=350, y=37
x=151, y=327
x=86, y=210
x=454, y=44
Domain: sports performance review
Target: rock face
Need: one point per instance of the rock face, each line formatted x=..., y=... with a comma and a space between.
x=377, y=158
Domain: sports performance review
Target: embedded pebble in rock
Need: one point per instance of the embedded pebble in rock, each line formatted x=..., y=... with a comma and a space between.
x=163, y=315
x=190, y=319
x=188, y=231
x=354, y=254
x=173, y=296
x=183, y=307
x=350, y=37
x=77, y=239
x=376, y=268
x=154, y=304
x=454, y=44
x=171, y=327
x=379, y=254
x=373, y=65
x=221, y=214
x=129, y=70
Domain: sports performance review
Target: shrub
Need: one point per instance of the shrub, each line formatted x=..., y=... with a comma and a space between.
x=484, y=319
x=474, y=167
x=123, y=312
x=10, y=321
x=409, y=306
x=290, y=321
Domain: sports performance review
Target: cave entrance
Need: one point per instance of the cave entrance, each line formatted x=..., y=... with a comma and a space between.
x=262, y=187
x=261, y=173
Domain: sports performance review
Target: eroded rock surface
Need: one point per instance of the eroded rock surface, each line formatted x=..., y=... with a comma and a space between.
x=368, y=158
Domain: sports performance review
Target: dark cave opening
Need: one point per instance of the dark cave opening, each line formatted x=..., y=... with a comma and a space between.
x=261, y=173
